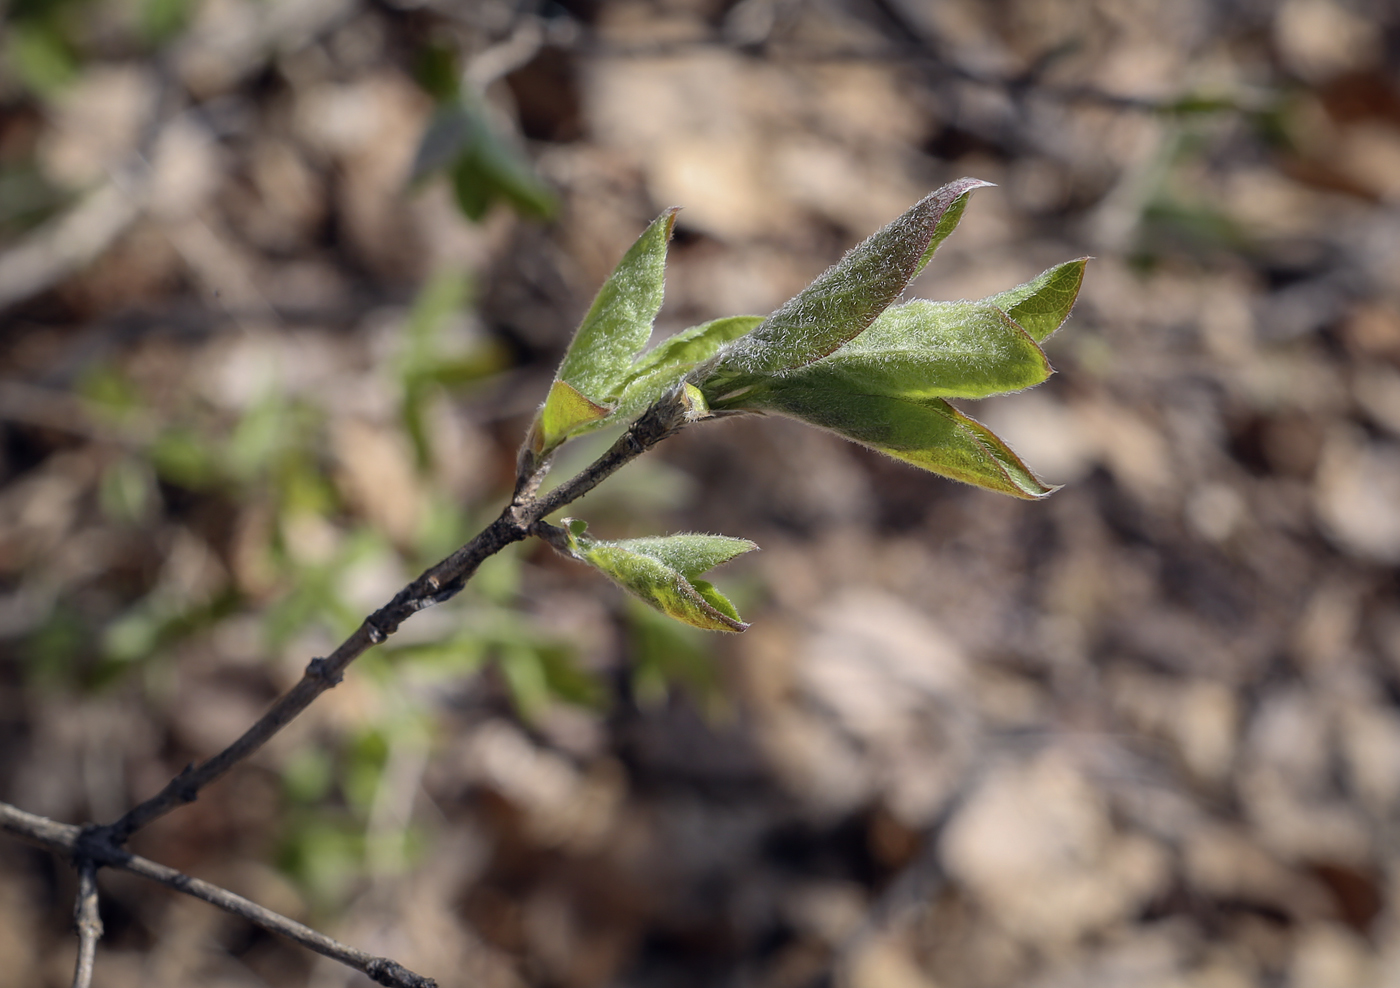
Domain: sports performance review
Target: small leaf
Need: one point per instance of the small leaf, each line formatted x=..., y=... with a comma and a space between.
x=689, y=553
x=694, y=345
x=658, y=370
x=696, y=407
x=600, y=357
x=662, y=571
x=565, y=411
x=844, y=300
x=925, y=432
x=619, y=321
x=934, y=349
x=1042, y=305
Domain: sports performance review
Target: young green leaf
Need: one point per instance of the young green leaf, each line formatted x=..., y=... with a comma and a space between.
x=566, y=410
x=844, y=300
x=925, y=432
x=1042, y=305
x=663, y=572
x=617, y=325
x=661, y=367
x=930, y=349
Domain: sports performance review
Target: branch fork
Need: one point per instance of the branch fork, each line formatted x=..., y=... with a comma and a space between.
x=94, y=846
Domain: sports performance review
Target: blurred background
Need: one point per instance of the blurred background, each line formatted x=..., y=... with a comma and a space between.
x=281, y=283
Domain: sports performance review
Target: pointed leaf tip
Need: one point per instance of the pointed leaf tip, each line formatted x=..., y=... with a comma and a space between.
x=1042, y=305
x=844, y=300
x=619, y=321
x=662, y=571
x=952, y=200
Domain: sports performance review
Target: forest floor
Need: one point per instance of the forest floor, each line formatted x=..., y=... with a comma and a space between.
x=1144, y=733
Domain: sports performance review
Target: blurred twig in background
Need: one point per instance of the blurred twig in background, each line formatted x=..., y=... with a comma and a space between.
x=1159, y=715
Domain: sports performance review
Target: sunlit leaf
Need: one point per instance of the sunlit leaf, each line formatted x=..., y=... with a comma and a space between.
x=662, y=571
x=1041, y=305
x=934, y=349
x=925, y=432
x=844, y=300
x=661, y=367
x=696, y=344
x=565, y=411
x=599, y=359
x=618, y=323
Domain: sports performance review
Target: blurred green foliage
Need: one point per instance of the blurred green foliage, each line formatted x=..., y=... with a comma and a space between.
x=463, y=142
x=271, y=460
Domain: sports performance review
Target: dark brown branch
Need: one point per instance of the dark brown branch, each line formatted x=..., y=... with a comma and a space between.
x=89, y=923
x=92, y=847
x=322, y=674
x=437, y=584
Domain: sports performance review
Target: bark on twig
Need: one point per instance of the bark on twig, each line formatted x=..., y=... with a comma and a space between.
x=89, y=923
x=92, y=848
x=97, y=846
x=435, y=585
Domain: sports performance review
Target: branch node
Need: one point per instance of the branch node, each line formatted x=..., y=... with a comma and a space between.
x=383, y=971
x=182, y=787
x=321, y=669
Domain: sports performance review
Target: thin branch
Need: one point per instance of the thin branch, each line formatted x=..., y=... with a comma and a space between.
x=437, y=584
x=88, y=921
x=322, y=674
x=95, y=846
x=92, y=846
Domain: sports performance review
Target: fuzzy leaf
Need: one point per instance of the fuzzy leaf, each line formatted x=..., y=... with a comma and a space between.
x=926, y=432
x=662, y=571
x=661, y=367
x=844, y=300
x=1042, y=305
x=565, y=412
x=618, y=322
x=931, y=349
x=694, y=345
x=948, y=222
x=617, y=325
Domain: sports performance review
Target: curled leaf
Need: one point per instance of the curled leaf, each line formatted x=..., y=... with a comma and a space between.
x=926, y=432
x=663, y=572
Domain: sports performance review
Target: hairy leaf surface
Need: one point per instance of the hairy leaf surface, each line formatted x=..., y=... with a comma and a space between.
x=663, y=572
x=618, y=322
x=1042, y=305
x=925, y=432
x=930, y=349
x=663, y=366
x=844, y=300
x=616, y=327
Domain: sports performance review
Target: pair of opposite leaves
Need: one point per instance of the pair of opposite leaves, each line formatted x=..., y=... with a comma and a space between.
x=840, y=355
